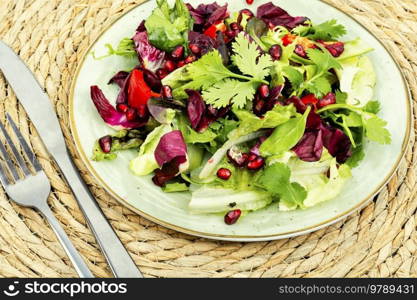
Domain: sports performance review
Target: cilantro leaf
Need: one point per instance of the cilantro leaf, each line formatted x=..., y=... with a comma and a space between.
x=230, y=91
x=341, y=97
x=320, y=83
x=373, y=126
x=294, y=76
x=376, y=131
x=358, y=155
x=372, y=107
x=323, y=60
x=319, y=86
x=327, y=31
x=200, y=75
x=276, y=180
x=248, y=58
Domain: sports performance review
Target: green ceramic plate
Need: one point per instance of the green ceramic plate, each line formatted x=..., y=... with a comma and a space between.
x=170, y=210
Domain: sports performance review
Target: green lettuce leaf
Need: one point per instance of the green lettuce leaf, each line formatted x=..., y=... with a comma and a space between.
x=145, y=163
x=209, y=199
x=168, y=27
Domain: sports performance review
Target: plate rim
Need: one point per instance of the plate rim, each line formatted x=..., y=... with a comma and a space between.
x=239, y=238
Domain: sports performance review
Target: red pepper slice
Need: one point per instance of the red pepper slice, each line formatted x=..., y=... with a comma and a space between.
x=212, y=30
x=139, y=92
x=310, y=99
x=288, y=39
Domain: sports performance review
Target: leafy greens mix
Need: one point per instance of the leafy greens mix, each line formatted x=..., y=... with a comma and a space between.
x=242, y=109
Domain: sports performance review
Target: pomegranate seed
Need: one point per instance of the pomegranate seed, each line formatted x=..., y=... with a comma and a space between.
x=190, y=59
x=232, y=216
x=195, y=49
x=252, y=157
x=105, y=143
x=181, y=64
x=263, y=91
x=161, y=73
x=256, y=164
x=336, y=49
x=258, y=107
x=170, y=66
x=131, y=114
x=247, y=12
x=299, y=50
x=276, y=52
x=329, y=99
x=238, y=158
x=166, y=92
x=235, y=26
x=230, y=34
x=224, y=173
x=122, y=107
x=250, y=2
x=178, y=52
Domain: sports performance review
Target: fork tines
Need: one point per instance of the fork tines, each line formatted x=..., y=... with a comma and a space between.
x=16, y=155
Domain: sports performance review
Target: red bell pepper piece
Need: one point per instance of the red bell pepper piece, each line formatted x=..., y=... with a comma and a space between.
x=212, y=30
x=310, y=99
x=139, y=92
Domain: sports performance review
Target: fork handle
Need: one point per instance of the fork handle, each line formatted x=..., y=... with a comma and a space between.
x=120, y=262
x=69, y=248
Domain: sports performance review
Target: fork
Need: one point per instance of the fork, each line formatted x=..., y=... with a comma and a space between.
x=32, y=190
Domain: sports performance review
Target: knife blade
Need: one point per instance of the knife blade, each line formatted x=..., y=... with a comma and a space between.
x=41, y=112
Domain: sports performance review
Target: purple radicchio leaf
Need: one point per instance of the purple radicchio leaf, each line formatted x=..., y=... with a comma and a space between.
x=206, y=15
x=204, y=42
x=310, y=147
x=109, y=114
x=337, y=142
x=151, y=57
x=171, y=147
x=119, y=78
x=166, y=173
x=276, y=16
x=195, y=108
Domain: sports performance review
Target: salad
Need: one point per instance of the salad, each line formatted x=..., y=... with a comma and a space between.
x=241, y=109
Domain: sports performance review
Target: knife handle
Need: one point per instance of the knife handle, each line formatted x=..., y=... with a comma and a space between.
x=121, y=264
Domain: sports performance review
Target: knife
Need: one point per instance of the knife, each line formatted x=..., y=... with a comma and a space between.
x=39, y=108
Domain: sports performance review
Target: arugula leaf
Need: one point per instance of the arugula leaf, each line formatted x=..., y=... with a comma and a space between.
x=374, y=126
x=168, y=28
x=285, y=136
x=230, y=90
x=276, y=180
x=248, y=59
x=327, y=31
x=257, y=29
x=249, y=122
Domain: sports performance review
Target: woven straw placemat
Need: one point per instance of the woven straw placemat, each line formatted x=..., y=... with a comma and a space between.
x=51, y=35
